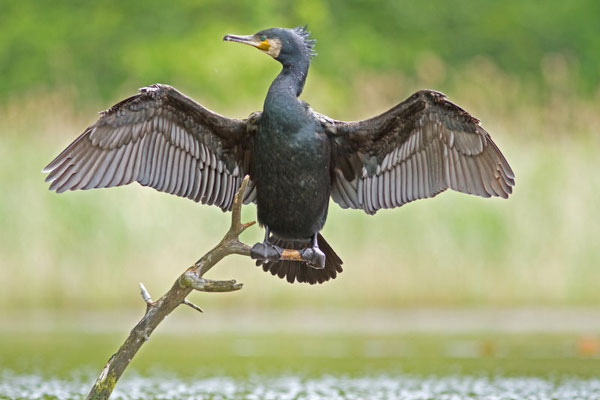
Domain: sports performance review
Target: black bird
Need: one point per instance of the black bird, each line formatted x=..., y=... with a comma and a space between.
x=297, y=159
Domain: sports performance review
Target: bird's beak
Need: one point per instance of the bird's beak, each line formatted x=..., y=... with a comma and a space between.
x=248, y=39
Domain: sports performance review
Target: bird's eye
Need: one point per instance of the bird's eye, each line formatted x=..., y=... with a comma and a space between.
x=263, y=38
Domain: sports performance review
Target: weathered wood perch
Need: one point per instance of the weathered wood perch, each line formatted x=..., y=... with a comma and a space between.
x=190, y=280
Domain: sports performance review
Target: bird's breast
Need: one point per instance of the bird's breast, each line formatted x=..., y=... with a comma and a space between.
x=292, y=179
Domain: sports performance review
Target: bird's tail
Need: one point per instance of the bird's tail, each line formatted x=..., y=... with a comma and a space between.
x=299, y=271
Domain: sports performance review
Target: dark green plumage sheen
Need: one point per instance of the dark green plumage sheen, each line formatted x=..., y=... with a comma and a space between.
x=297, y=159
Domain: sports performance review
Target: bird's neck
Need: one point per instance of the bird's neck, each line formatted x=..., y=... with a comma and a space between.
x=289, y=83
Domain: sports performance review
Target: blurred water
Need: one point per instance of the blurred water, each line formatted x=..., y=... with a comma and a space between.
x=63, y=365
x=406, y=387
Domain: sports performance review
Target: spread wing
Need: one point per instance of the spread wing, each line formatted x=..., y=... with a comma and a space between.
x=162, y=139
x=416, y=150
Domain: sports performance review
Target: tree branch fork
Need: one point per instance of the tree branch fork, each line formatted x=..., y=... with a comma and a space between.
x=190, y=280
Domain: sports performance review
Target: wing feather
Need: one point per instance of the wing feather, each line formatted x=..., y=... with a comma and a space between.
x=416, y=150
x=211, y=185
x=343, y=194
x=163, y=139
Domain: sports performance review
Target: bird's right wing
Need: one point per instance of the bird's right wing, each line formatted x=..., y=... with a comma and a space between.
x=162, y=139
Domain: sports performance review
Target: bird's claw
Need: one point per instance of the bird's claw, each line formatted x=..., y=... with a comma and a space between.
x=265, y=252
x=314, y=257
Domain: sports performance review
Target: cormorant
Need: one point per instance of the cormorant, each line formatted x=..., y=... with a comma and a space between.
x=297, y=158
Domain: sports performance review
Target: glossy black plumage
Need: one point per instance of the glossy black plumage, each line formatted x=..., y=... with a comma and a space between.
x=292, y=152
x=296, y=158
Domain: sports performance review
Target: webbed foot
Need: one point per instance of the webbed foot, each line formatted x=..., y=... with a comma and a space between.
x=314, y=257
x=265, y=252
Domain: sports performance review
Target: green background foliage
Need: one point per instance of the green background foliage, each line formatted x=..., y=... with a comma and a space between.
x=529, y=70
x=100, y=49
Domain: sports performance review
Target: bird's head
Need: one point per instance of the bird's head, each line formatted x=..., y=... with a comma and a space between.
x=283, y=44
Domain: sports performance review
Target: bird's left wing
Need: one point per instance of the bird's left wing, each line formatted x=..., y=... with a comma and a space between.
x=162, y=139
x=415, y=150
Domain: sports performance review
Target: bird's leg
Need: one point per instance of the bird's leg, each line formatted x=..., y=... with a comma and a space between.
x=313, y=256
x=265, y=251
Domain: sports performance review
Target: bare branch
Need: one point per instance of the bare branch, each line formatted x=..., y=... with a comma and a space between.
x=190, y=304
x=157, y=310
x=206, y=285
x=145, y=295
x=293, y=255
